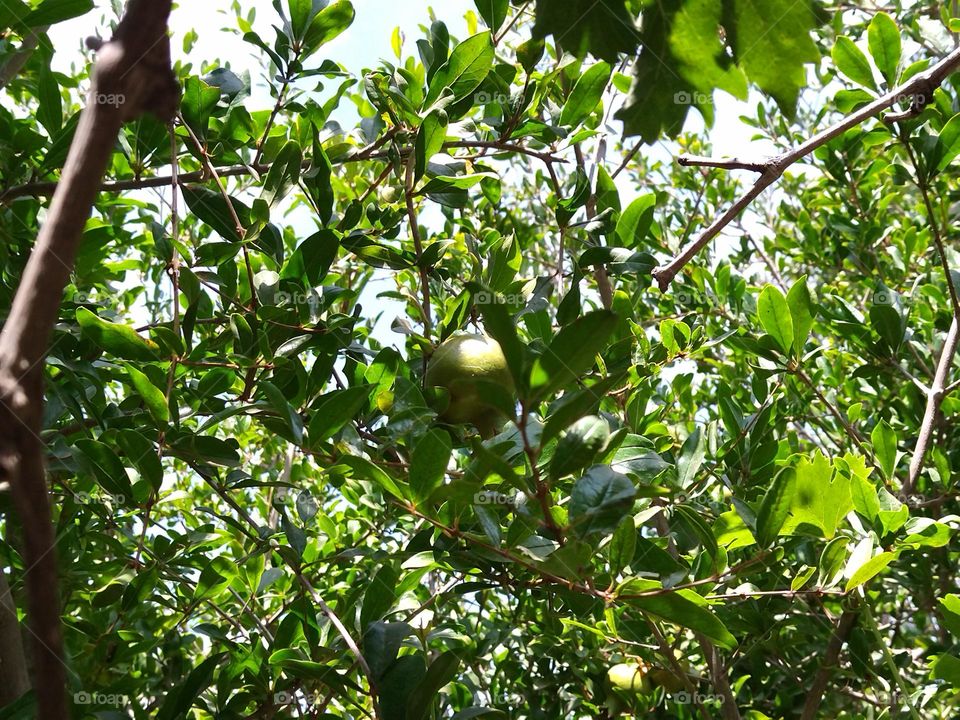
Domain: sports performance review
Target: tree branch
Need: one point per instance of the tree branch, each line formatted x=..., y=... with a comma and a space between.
x=46, y=188
x=938, y=389
x=132, y=70
x=846, y=623
x=772, y=169
x=934, y=397
x=13, y=664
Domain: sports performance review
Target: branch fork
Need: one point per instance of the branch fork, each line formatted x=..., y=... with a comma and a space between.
x=920, y=87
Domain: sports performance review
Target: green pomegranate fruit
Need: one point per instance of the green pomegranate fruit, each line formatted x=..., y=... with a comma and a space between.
x=389, y=194
x=456, y=365
x=629, y=677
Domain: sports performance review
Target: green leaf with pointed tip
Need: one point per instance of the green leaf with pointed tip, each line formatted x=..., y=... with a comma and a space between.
x=801, y=312
x=636, y=220
x=774, y=314
x=883, y=38
x=107, y=468
x=51, y=12
x=441, y=671
x=283, y=175
x=870, y=569
x=851, y=61
x=623, y=545
x=775, y=506
x=118, y=340
x=152, y=396
x=948, y=143
x=688, y=610
x=572, y=352
x=335, y=409
x=328, y=24
x=465, y=69
x=884, y=441
x=493, y=12
x=600, y=500
x=586, y=94
x=428, y=463
x=430, y=137
x=950, y=613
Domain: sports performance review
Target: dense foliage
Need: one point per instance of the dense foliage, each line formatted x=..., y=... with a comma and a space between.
x=260, y=511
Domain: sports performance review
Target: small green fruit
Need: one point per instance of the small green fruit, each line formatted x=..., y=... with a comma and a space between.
x=457, y=365
x=388, y=194
x=629, y=677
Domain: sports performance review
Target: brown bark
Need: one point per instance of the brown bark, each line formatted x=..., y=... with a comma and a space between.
x=830, y=662
x=13, y=664
x=132, y=75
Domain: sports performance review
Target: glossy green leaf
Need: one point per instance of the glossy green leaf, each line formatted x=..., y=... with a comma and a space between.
x=851, y=61
x=883, y=37
x=572, y=352
x=428, y=465
x=153, y=396
x=586, y=94
x=774, y=313
x=118, y=340
x=775, y=506
x=466, y=68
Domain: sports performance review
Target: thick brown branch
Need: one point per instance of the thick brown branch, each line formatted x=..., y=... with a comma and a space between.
x=771, y=170
x=132, y=75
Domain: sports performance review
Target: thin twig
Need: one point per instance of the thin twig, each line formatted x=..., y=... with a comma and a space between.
x=417, y=243
x=241, y=230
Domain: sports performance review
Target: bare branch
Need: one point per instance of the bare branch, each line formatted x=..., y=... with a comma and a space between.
x=133, y=68
x=725, y=164
x=934, y=397
x=937, y=390
x=771, y=170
